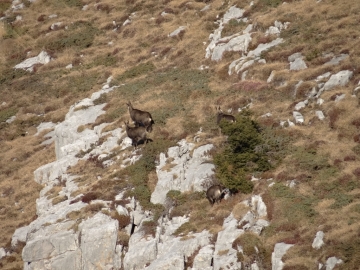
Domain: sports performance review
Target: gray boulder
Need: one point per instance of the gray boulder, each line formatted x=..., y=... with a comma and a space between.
x=332, y=262
x=339, y=79
x=224, y=255
x=297, y=62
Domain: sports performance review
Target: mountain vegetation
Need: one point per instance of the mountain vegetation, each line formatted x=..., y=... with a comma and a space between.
x=89, y=41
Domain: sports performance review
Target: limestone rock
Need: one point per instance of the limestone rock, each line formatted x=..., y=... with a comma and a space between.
x=332, y=262
x=28, y=64
x=320, y=115
x=181, y=171
x=339, y=79
x=226, y=237
x=172, y=254
x=297, y=62
x=299, y=118
x=279, y=251
x=98, y=241
x=203, y=259
x=318, y=241
x=177, y=31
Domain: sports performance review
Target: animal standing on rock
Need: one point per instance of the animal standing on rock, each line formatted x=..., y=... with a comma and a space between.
x=221, y=115
x=215, y=193
x=136, y=134
x=141, y=118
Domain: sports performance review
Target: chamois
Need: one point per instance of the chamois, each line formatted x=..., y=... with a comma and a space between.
x=221, y=115
x=215, y=193
x=136, y=134
x=141, y=118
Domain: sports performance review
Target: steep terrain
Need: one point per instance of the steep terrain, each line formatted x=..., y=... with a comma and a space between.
x=75, y=194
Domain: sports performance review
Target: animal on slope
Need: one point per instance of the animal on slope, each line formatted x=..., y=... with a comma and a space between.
x=141, y=118
x=136, y=134
x=221, y=115
x=215, y=193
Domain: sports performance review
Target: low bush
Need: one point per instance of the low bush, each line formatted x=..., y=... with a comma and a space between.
x=242, y=154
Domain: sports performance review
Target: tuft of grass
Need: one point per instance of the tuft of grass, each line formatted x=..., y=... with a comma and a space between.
x=253, y=249
x=5, y=114
x=185, y=229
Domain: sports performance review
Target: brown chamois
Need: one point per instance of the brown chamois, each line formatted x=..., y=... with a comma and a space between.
x=141, y=118
x=215, y=193
x=136, y=134
x=221, y=115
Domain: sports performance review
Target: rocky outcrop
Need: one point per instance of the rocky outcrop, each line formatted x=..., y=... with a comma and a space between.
x=279, y=251
x=183, y=171
x=28, y=64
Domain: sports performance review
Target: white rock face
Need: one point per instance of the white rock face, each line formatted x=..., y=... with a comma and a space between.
x=252, y=57
x=28, y=65
x=181, y=171
x=299, y=118
x=222, y=259
x=320, y=115
x=318, y=241
x=171, y=254
x=216, y=53
x=332, y=262
x=2, y=253
x=98, y=242
x=279, y=251
x=203, y=259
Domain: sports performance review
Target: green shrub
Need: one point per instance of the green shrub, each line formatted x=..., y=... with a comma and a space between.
x=240, y=156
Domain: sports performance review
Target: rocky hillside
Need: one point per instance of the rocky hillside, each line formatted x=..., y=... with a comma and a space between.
x=75, y=193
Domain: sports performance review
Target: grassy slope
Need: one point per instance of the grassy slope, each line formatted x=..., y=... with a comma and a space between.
x=323, y=156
